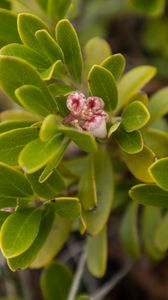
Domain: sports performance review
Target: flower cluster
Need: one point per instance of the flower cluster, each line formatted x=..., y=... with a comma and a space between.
x=87, y=114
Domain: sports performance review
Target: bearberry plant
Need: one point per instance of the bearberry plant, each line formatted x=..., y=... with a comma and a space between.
x=81, y=138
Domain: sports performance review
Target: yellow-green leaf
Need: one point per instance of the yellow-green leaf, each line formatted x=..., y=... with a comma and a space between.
x=129, y=231
x=132, y=82
x=103, y=85
x=37, y=154
x=96, y=249
x=19, y=231
x=68, y=40
x=159, y=173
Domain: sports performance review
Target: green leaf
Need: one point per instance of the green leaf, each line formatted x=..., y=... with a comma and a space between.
x=33, y=99
x=96, y=220
x=139, y=163
x=161, y=234
x=115, y=64
x=3, y=216
x=113, y=128
x=49, y=45
x=8, y=27
x=25, y=259
x=49, y=127
x=10, y=125
x=37, y=154
x=84, y=297
x=159, y=173
x=13, y=141
x=5, y=4
x=55, y=241
x=56, y=70
x=132, y=82
x=73, y=167
x=96, y=50
x=18, y=115
x=151, y=218
x=103, y=85
x=43, y=4
x=54, y=162
x=158, y=105
x=155, y=7
x=19, y=231
x=87, y=185
x=60, y=89
x=13, y=183
x=67, y=39
x=28, y=24
x=129, y=232
x=7, y=201
x=157, y=140
x=135, y=116
x=96, y=249
x=25, y=53
x=83, y=139
x=149, y=194
x=142, y=97
x=53, y=186
x=56, y=280
x=57, y=10
x=66, y=207
x=129, y=142
x=21, y=73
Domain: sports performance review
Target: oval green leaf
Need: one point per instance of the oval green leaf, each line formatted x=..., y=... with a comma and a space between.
x=13, y=141
x=68, y=40
x=132, y=82
x=115, y=64
x=26, y=74
x=56, y=280
x=33, y=99
x=37, y=154
x=158, y=105
x=66, y=207
x=95, y=220
x=139, y=163
x=83, y=139
x=8, y=27
x=161, y=234
x=60, y=229
x=24, y=260
x=129, y=231
x=135, y=116
x=103, y=85
x=96, y=250
x=159, y=173
x=25, y=53
x=13, y=183
x=49, y=45
x=19, y=231
x=96, y=50
x=28, y=24
x=57, y=10
x=129, y=142
x=149, y=194
x=49, y=189
x=87, y=185
x=151, y=218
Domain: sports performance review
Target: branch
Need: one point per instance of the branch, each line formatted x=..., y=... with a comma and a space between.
x=77, y=277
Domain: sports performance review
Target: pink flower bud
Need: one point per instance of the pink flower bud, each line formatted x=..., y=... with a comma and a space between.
x=94, y=103
x=75, y=103
x=97, y=126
